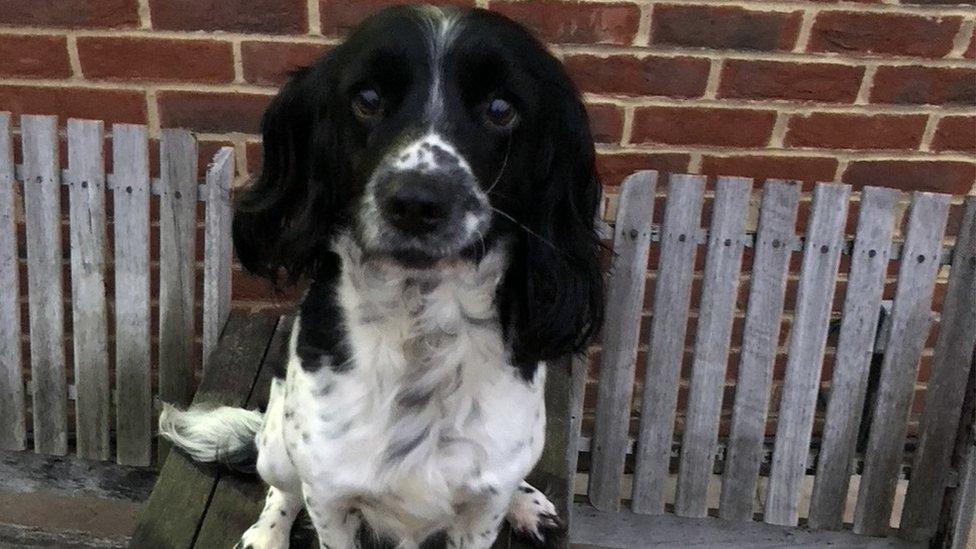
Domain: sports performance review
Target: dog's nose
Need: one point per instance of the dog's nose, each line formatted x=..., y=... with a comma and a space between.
x=417, y=204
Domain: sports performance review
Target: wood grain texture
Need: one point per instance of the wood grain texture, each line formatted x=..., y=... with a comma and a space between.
x=237, y=500
x=13, y=428
x=773, y=248
x=86, y=195
x=821, y=257
x=910, y=323
x=946, y=386
x=963, y=519
x=621, y=327
x=672, y=294
x=177, y=235
x=133, y=411
x=723, y=262
x=176, y=508
x=217, y=249
x=42, y=210
x=862, y=306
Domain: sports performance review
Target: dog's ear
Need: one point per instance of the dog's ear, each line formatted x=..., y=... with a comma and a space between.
x=551, y=299
x=286, y=217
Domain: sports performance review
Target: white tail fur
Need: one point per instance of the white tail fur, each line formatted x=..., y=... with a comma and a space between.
x=221, y=434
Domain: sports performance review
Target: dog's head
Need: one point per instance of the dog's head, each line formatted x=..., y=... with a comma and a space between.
x=431, y=135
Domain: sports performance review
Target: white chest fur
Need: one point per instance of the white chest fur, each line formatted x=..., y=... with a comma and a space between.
x=431, y=415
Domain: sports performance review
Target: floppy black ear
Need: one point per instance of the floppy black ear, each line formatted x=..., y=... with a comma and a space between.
x=552, y=296
x=282, y=221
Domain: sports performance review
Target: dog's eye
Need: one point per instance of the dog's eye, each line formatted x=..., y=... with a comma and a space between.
x=501, y=114
x=367, y=104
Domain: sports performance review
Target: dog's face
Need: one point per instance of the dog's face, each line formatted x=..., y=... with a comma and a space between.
x=432, y=135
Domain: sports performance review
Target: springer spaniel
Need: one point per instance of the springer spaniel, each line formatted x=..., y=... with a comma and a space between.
x=433, y=176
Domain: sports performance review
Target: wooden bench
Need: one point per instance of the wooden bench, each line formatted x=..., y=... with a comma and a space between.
x=734, y=399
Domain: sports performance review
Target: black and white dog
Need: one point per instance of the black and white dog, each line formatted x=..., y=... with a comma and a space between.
x=434, y=177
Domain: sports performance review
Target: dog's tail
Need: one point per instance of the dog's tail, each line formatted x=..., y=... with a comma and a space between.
x=217, y=435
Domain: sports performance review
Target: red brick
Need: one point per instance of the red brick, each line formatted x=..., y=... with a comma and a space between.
x=724, y=28
x=955, y=133
x=702, y=126
x=606, y=122
x=340, y=16
x=628, y=75
x=575, y=23
x=109, y=105
x=263, y=16
x=883, y=33
x=930, y=176
x=613, y=168
x=855, y=131
x=212, y=112
x=156, y=59
x=255, y=157
x=809, y=168
x=269, y=63
x=821, y=82
x=924, y=85
x=70, y=13
x=34, y=56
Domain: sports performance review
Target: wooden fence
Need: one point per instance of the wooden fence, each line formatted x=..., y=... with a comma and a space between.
x=110, y=231
x=871, y=254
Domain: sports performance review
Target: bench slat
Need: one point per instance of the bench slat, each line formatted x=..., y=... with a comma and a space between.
x=13, y=428
x=720, y=288
x=133, y=412
x=672, y=295
x=177, y=251
x=217, y=249
x=910, y=323
x=86, y=195
x=177, y=505
x=773, y=248
x=237, y=500
x=808, y=338
x=862, y=305
x=625, y=297
x=947, y=386
x=42, y=209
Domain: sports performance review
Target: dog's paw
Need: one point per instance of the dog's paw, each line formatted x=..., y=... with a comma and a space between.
x=264, y=536
x=533, y=517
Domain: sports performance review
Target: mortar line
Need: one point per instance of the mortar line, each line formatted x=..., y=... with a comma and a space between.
x=867, y=84
x=806, y=26
x=930, y=126
x=314, y=18
x=715, y=68
x=238, y=62
x=74, y=59
x=961, y=42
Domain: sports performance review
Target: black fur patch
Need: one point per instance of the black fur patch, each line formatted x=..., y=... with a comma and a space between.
x=322, y=336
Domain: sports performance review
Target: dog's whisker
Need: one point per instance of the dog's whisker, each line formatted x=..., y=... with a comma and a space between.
x=526, y=229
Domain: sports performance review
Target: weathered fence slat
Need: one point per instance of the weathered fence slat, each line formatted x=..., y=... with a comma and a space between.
x=625, y=297
x=721, y=284
x=910, y=322
x=862, y=303
x=808, y=338
x=86, y=193
x=672, y=296
x=773, y=247
x=13, y=431
x=130, y=152
x=177, y=232
x=42, y=209
x=946, y=387
x=963, y=515
x=217, y=249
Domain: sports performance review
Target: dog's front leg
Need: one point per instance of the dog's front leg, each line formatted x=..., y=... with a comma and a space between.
x=335, y=523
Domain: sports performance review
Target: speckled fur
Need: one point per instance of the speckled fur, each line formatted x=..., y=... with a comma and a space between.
x=431, y=428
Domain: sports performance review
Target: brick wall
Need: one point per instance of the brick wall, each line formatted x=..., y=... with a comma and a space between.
x=867, y=91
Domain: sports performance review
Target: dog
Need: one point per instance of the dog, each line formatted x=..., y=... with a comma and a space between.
x=433, y=177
